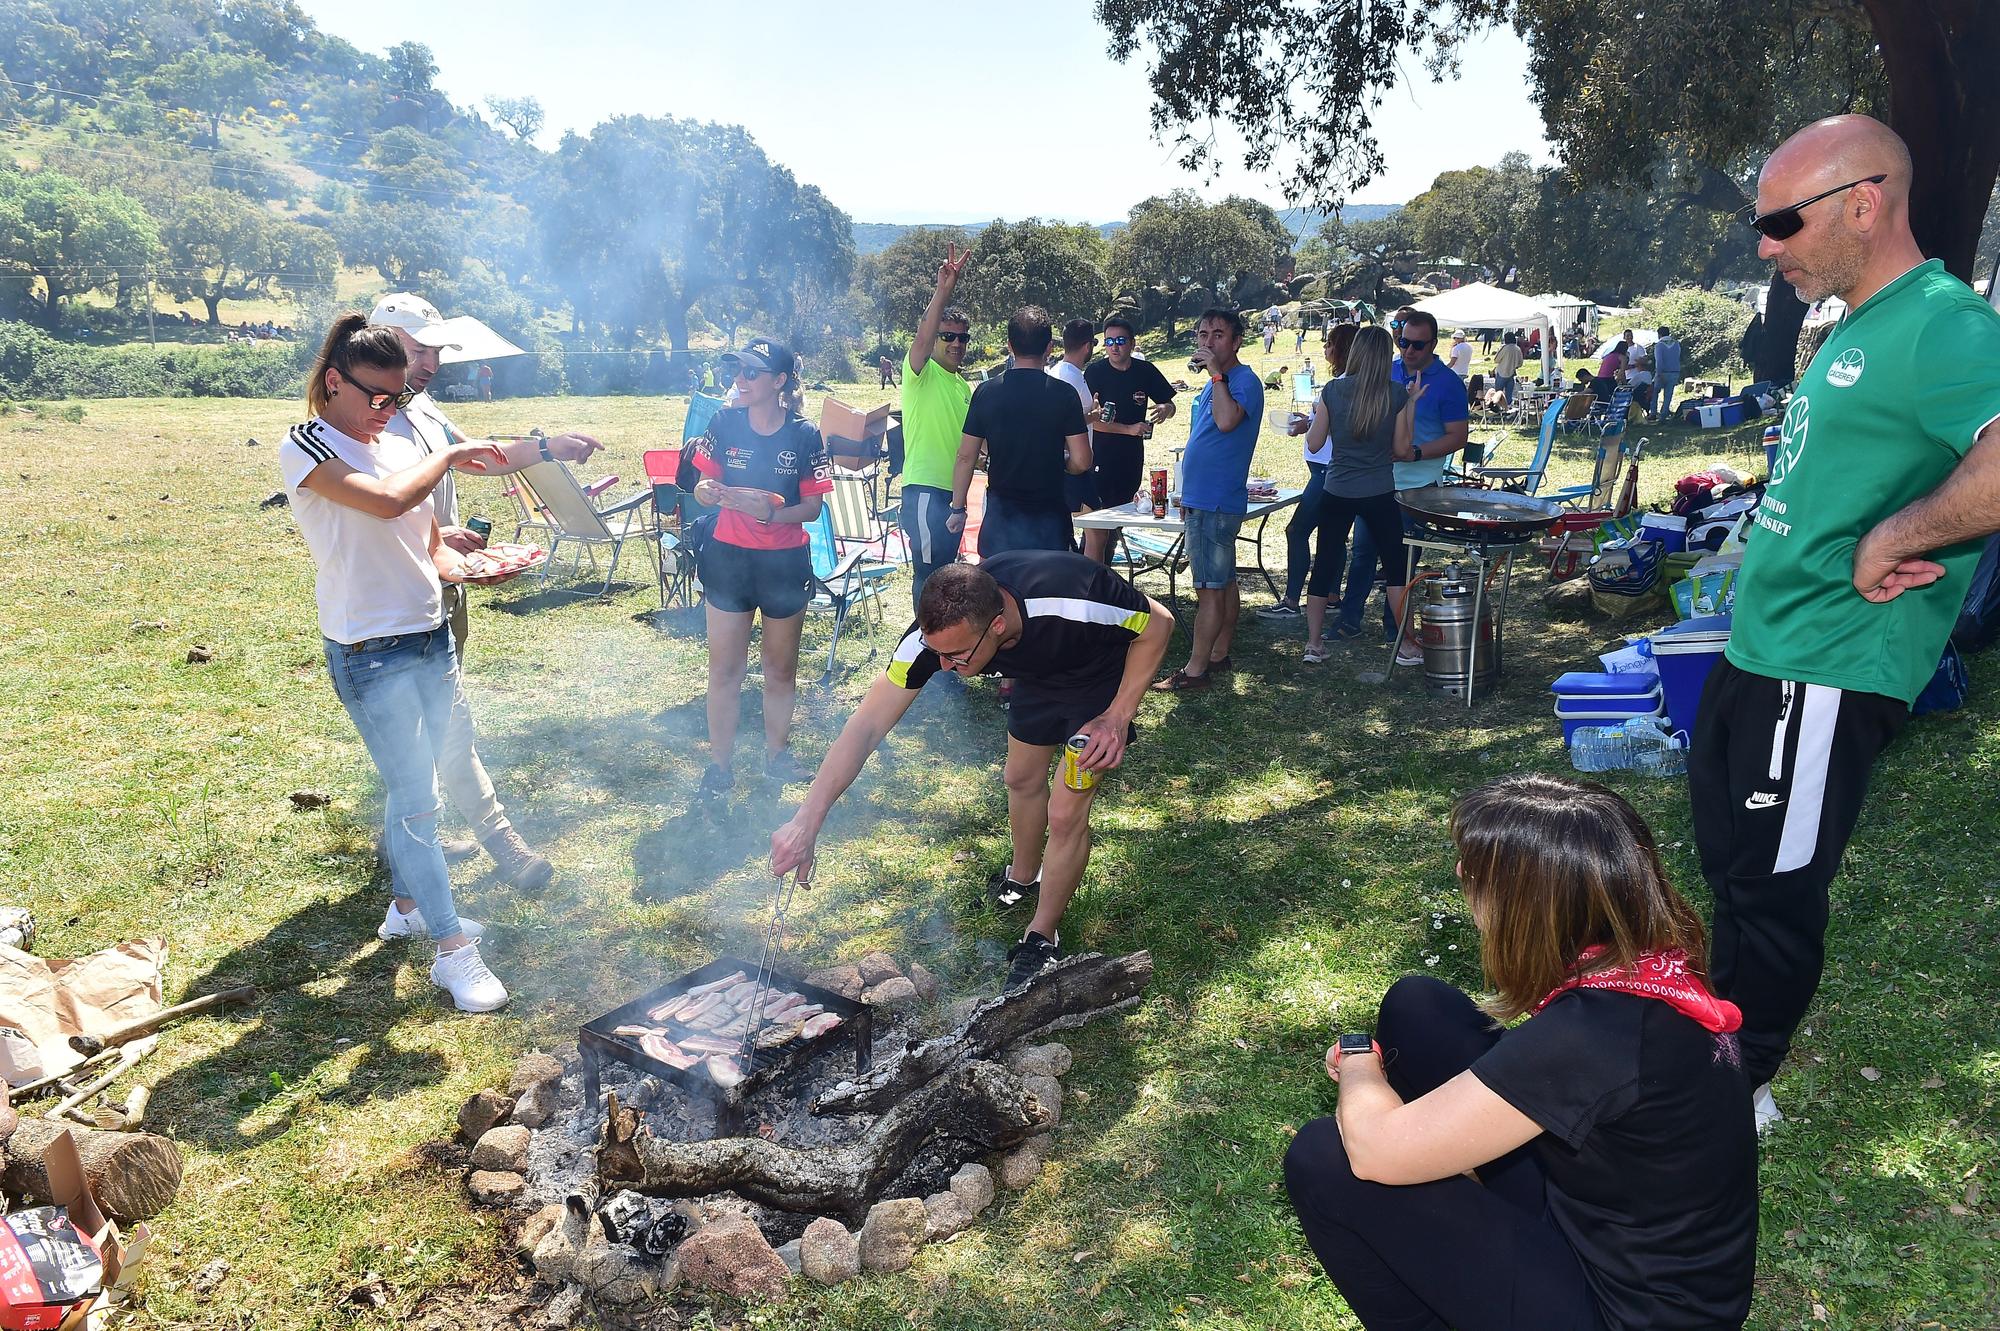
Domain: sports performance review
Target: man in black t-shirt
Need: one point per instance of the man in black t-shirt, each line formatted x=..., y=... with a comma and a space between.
x=1126, y=385
x=1081, y=644
x=1031, y=426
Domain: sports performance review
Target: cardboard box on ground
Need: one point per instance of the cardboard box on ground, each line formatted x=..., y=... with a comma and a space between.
x=62, y=1293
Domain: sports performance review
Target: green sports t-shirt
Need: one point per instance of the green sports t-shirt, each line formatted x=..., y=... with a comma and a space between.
x=934, y=407
x=1893, y=400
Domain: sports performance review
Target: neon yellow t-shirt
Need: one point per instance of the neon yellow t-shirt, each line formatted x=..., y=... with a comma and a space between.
x=935, y=401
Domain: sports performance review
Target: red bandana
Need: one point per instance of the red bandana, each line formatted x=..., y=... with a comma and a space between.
x=1662, y=975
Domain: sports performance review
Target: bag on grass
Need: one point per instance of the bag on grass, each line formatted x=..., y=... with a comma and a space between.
x=1948, y=687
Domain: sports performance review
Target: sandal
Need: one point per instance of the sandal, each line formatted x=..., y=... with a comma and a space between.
x=1182, y=682
x=1317, y=654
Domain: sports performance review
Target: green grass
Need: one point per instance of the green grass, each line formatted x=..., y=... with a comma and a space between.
x=1279, y=845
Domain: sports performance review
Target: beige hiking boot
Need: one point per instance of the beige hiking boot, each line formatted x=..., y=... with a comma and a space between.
x=517, y=863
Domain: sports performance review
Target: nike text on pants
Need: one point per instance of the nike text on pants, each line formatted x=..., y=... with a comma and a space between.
x=1776, y=775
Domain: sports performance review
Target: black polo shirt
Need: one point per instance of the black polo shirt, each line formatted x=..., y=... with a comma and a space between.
x=1026, y=418
x=1077, y=620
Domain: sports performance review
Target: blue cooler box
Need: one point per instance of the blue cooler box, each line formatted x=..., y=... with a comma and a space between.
x=1585, y=698
x=1685, y=654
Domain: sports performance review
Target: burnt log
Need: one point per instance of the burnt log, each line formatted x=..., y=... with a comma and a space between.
x=133, y=1175
x=1076, y=988
x=971, y=1110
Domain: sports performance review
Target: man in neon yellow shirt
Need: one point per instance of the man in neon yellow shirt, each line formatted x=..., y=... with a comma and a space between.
x=935, y=399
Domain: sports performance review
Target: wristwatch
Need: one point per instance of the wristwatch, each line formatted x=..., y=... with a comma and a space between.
x=1353, y=1042
x=956, y=508
x=541, y=442
x=1418, y=449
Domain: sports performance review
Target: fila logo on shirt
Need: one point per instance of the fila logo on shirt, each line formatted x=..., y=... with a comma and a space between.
x=1846, y=368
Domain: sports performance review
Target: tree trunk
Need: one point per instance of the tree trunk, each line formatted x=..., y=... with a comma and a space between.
x=979, y=1108
x=214, y=304
x=52, y=305
x=1777, y=355
x=133, y=1175
x=1941, y=57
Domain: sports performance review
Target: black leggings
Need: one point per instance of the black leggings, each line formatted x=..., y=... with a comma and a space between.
x=1475, y=1256
x=1384, y=519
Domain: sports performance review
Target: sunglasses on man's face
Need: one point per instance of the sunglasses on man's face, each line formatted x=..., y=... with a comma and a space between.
x=1784, y=223
x=954, y=337
x=377, y=400
x=1413, y=343
x=1117, y=341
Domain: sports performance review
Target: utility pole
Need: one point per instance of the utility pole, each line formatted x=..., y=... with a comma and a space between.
x=152, y=328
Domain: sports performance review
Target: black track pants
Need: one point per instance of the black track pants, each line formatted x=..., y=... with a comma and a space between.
x=1777, y=774
x=1475, y=1256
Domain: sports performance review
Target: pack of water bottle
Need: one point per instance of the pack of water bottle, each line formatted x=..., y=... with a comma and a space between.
x=1643, y=744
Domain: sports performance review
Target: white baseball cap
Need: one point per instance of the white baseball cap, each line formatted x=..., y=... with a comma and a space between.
x=413, y=315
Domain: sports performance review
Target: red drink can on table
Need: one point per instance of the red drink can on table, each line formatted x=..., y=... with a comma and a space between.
x=1159, y=492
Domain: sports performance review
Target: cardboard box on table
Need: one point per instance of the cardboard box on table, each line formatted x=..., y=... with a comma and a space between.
x=121, y=1253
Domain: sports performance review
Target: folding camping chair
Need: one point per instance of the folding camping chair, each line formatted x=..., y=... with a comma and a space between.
x=842, y=582
x=674, y=510
x=1604, y=503
x=856, y=519
x=577, y=521
x=1528, y=480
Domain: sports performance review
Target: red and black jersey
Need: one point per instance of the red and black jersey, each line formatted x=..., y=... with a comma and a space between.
x=791, y=464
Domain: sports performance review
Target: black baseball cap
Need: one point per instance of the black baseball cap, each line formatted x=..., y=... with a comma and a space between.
x=761, y=353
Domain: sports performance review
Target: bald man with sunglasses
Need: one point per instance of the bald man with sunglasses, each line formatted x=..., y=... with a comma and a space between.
x=1888, y=472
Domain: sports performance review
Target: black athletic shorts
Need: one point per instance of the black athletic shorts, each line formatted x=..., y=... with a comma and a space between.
x=1035, y=717
x=737, y=579
x=1118, y=463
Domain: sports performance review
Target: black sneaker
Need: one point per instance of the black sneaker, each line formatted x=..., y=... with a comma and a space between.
x=1029, y=958
x=717, y=782
x=1003, y=893
x=785, y=768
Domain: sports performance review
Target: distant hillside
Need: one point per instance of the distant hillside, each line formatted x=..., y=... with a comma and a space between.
x=874, y=237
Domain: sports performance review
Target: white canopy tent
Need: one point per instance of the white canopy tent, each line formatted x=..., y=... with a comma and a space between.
x=1570, y=311
x=1482, y=305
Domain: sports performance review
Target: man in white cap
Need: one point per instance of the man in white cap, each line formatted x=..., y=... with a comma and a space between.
x=427, y=338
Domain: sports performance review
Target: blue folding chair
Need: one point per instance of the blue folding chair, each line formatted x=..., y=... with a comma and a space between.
x=1528, y=480
x=843, y=582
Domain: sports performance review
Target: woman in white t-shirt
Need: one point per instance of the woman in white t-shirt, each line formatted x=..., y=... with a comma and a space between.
x=1305, y=514
x=362, y=499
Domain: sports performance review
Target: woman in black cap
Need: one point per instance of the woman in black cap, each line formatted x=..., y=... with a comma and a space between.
x=766, y=468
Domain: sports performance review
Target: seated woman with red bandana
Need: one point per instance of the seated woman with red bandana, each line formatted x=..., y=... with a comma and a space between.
x=1593, y=1168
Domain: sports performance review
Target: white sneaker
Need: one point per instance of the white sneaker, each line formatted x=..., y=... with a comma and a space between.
x=1765, y=1108
x=396, y=925
x=463, y=975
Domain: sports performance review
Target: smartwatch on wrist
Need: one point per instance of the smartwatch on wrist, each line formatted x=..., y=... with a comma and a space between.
x=1353, y=1042
x=956, y=508
x=1418, y=449
x=542, y=443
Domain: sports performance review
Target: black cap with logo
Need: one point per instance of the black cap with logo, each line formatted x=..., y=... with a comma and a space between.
x=761, y=353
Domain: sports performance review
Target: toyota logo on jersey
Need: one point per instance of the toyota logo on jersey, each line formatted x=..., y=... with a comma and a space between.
x=788, y=459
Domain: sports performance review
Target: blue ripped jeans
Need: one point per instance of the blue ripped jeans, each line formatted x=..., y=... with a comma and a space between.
x=398, y=690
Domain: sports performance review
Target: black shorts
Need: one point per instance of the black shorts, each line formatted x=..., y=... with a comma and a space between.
x=1118, y=462
x=1036, y=717
x=738, y=580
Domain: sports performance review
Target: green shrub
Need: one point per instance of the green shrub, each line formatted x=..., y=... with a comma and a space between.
x=35, y=365
x=73, y=413
x=1708, y=326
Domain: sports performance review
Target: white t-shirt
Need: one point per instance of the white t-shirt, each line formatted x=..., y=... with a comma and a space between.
x=1073, y=376
x=423, y=424
x=1324, y=453
x=375, y=575
x=1461, y=358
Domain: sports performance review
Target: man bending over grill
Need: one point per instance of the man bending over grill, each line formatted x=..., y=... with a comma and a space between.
x=1081, y=644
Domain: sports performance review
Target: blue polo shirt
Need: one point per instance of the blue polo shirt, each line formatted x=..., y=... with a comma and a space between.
x=1442, y=403
x=1215, y=470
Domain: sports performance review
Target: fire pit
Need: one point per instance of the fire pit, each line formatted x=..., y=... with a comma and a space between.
x=599, y=1039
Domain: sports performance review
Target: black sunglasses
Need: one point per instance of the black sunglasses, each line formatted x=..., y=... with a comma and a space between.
x=1784, y=223
x=377, y=401
x=749, y=375
x=1413, y=343
x=954, y=337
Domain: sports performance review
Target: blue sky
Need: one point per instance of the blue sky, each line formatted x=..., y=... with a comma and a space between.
x=900, y=113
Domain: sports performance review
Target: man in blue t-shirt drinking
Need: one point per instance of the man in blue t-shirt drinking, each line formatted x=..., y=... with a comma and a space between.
x=1442, y=424
x=1215, y=493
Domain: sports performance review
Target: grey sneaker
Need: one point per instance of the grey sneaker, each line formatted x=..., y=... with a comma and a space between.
x=517, y=863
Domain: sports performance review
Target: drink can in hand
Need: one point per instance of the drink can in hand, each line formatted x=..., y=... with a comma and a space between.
x=480, y=527
x=1074, y=774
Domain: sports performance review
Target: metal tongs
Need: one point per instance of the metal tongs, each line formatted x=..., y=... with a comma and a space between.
x=774, y=947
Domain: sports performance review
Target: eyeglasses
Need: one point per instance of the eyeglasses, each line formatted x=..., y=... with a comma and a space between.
x=377, y=400
x=954, y=337
x=1413, y=343
x=1784, y=223
x=1117, y=341
x=951, y=659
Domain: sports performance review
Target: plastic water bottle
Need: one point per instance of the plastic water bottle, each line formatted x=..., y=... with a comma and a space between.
x=1600, y=749
x=1653, y=748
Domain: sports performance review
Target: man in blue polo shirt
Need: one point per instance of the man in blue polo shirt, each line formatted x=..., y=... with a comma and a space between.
x=1215, y=474
x=1444, y=419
